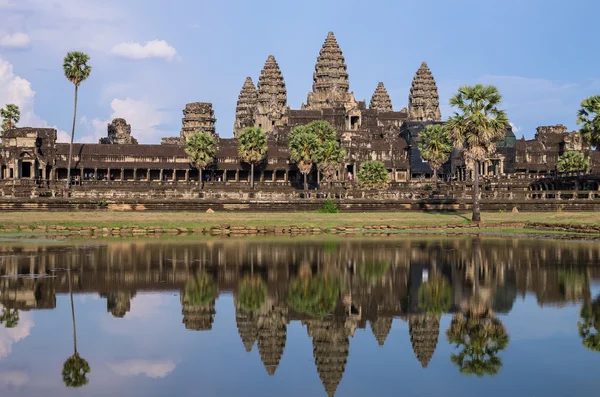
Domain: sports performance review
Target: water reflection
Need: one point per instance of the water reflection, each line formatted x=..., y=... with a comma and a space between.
x=333, y=288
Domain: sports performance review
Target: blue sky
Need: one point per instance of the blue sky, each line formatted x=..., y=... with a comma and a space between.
x=540, y=54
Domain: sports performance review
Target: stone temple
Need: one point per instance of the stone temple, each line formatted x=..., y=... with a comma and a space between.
x=375, y=131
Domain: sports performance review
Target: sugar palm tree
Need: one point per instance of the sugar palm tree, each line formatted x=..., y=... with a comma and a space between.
x=75, y=368
x=252, y=294
x=589, y=116
x=573, y=161
x=589, y=326
x=329, y=158
x=252, y=148
x=435, y=296
x=76, y=71
x=475, y=128
x=9, y=317
x=200, y=290
x=315, y=296
x=10, y=117
x=435, y=146
x=304, y=146
x=201, y=148
x=323, y=130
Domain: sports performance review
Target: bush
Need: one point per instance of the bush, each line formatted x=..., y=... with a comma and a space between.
x=373, y=175
x=330, y=207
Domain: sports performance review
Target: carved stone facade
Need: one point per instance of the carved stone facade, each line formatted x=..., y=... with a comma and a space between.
x=119, y=133
x=197, y=116
x=246, y=107
x=272, y=97
x=424, y=101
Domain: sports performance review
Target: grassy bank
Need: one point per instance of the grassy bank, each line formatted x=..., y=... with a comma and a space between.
x=303, y=219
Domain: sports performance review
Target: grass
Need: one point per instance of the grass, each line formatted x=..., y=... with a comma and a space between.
x=192, y=220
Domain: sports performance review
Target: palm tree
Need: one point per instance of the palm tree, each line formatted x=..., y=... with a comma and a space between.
x=200, y=290
x=315, y=296
x=252, y=148
x=75, y=368
x=253, y=294
x=329, y=157
x=476, y=127
x=435, y=146
x=573, y=161
x=304, y=146
x=589, y=116
x=435, y=296
x=589, y=326
x=325, y=134
x=373, y=271
x=10, y=117
x=202, y=148
x=76, y=71
x=9, y=317
x=481, y=337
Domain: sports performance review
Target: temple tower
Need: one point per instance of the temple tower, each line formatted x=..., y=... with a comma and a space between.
x=424, y=101
x=424, y=331
x=330, y=80
x=119, y=133
x=246, y=107
x=272, y=97
x=119, y=303
x=272, y=335
x=247, y=328
x=381, y=329
x=197, y=318
x=197, y=116
x=381, y=99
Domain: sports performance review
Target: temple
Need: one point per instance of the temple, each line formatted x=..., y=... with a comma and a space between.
x=373, y=132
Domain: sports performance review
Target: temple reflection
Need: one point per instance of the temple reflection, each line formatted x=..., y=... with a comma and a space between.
x=333, y=287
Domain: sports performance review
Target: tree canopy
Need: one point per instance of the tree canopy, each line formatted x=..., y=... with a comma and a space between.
x=435, y=296
x=304, y=147
x=323, y=130
x=201, y=148
x=252, y=294
x=75, y=370
x=435, y=146
x=200, y=290
x=9, y=317
x=589, y=118
x=373, y=175
x=329, y=158
x=10, y=116
x=589, y=325
x=573, y=161
x=76, y=68
x=315, y=296
x=252, y=145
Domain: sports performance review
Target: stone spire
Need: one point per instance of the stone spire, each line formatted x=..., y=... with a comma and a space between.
x=380, y=99
x=197, y=116
x=197, y=318
x=119, y=303
x=272, y=335
x=246, y=107
x=272, y=96
x=247, y=329
x=424, y=331
x=330, y=80
x=381, y=329
x=424, y=101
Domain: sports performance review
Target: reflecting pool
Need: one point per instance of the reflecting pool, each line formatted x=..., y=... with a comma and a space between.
x=299, y=317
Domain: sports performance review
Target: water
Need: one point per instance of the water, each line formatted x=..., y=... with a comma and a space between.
x=300, y=317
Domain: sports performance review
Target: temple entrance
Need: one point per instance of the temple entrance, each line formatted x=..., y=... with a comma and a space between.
x=25, y=169
x=3, y=172
x=350, y=174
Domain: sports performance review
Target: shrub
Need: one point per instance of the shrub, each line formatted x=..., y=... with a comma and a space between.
x=330, y=207
x=373, y=175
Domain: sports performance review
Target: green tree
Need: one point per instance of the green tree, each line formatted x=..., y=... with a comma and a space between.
x=201, y=148
x=76, y=71
x=75, y=368
x=200, y=290
x=589, y=117
x=373, y=175
x=480, y=336
x=373, y=271
x=329, y=158
x=323, y=130
x=253, y=294
x=435, y=146
x=252, y=148
x=589, y=326
x=304, y=146
x=315, y=296
x=435, y=296
x=476, y=127
x=10, y=117
x=9, y=317
x=573, y=161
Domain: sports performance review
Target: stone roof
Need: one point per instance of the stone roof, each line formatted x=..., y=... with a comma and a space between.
x=271, y=86
x=247, y=328
x=381, y=99
x=272, y=335
x=246, y=106
x=424, y=331
x=423, y=101
x=381, y=329
x=23, y=132
x=331, y=347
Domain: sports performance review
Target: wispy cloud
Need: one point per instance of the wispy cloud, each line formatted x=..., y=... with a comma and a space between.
x=16, y=40
x=151, y=368
x=152, y=49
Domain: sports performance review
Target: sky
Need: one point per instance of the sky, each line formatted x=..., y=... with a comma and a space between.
x=151, y=57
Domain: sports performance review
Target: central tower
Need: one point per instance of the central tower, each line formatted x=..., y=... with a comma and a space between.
x=330, y=80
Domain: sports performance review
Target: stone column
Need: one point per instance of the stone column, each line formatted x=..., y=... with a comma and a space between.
x=81, y=175
x=32, y=170
x=262, y=176
x=237, y=175
x=274, y=176
x=122, y=174
x=187, y=175
x=161, y=174
x=135, y=174
x=148, y=175
x=286, y=176
x=395, y=179
x=174, y=177
x=108, y=174
x=95, y=174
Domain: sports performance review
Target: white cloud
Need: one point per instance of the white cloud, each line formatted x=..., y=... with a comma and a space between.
x=152, y=49
x=17, y=90
x=14, y=378
x=17, y=40
x=149, y=368
x=515, y=129
x=9, y=336
x=144, y=117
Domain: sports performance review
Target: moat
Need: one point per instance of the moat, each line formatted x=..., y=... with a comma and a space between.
x=303, y=316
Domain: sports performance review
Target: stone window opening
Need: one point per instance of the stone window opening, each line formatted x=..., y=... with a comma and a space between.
x=354, y=122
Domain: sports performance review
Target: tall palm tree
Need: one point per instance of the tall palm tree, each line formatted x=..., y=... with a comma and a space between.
x=589, y=116
x=435, y=146
x=252, y=294
x=476, y=127
x=315, y=296
x=10, y=117
x=252, y=148
x=75, y=368
x=326, y=135
x=202, y=148
x=329, y=158
x=304, y=146
x=76, y=71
